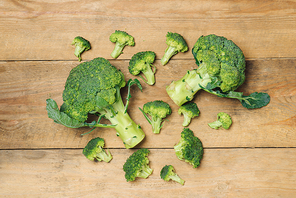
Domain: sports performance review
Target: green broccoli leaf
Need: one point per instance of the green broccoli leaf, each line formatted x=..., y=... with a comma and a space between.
x=60, y=117
x=255, y=100
x=129, y=84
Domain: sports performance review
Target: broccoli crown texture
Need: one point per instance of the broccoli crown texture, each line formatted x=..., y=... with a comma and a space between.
x=189, y=148
x=121, y=39
x=137, y=165
x=94, y=150
x=223, y=120
x=189, y=111
x=141, y=62
x=91, y=86
x=81, y=45
x=222, y=59
x=175, y=44
x=168, y=173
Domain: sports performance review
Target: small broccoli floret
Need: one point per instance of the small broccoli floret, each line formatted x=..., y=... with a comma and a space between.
x=221, y=70
x=176, y=44
x=223, y=120
x=81, y=45
x=189, y=111
x=167, y=173
x=93, y=87
x=94, y=150
x=121, y=39
x=137, y=165
x=157, y=110
x=189, y=148
x=142, y=63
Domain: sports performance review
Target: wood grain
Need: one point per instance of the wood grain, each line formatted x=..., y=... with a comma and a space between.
x=224, y=173
x=26, y=85
x=41, y=30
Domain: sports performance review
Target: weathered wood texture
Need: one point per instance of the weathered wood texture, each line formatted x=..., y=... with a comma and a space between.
x=224, y=173
x=26, y=85
x=41, y=30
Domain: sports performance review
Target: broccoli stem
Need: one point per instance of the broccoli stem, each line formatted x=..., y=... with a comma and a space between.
x=156, y=124
x=215, y=125
x=169, y=52
x=105, y=156
x=186, y=121
x=78, y=51
x=149, y=74
x=145, y=172
x=117, y=50
x=130, y=133
x=178, y=149
x=177, y=179
x=183, y=90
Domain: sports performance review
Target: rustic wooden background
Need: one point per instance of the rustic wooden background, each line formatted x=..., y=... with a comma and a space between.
x=256, y=157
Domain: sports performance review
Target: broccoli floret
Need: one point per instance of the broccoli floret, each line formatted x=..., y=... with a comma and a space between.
x=157, y=110
x=121, y=39
x=176, y=44
x=221, y=70
x=223, y=120
x=93, y=87
x=189, y=148
x=137, y=165
x=142, y=62
x=189, y=111
x=167, y=173
x=81, y=45
x=94, y=150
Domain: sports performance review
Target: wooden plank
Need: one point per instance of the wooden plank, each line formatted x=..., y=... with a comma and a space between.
x=41, y=30
x=24, y=87
x=223, y=173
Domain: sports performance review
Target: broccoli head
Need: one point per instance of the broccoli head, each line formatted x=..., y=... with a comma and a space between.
x=93, y=87
x=189, y=111
x=221, y=70
x=223, y=120
x=157, y=110
x=189, y=148
x=142, y=63
x=121, y=39
x=137, y=165
x=175, y=44
x=94, y=150
x=81, y=45
x=167, y=173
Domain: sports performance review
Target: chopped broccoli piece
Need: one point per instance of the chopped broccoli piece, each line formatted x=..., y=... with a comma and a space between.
x=94, y=150
x=93, y=87
x=167, y=173
x=81, y=45
x=176, y=44
x=137, y=165
x=157, y=110
x=142, y=63
x=189, y=148
x=121, y=39
x=223, y=120
x=189, y=111
x=221, y=70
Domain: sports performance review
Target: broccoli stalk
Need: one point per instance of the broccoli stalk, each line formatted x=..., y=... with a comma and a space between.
x=175, y=44
x=121, y=39
x=220, y=71
x=94, y=88
x=94, y=150
x=167, y=173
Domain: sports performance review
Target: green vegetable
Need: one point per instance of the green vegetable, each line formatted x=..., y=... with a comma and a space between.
x=189, y=111
x=121, y=39
x=167, y=173
x=223, y=120
x=137, y=165
x=189, y=148
x=93, y=87
x=81, y=45
x=221, y=70
x=142, y=63
x=94, y=150
x=157, y=110
x=176, y=44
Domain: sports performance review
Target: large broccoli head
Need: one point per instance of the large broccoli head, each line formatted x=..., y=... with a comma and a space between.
x=91, y=86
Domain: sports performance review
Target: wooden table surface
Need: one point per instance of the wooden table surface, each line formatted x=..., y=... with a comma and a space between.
x=256, y=157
